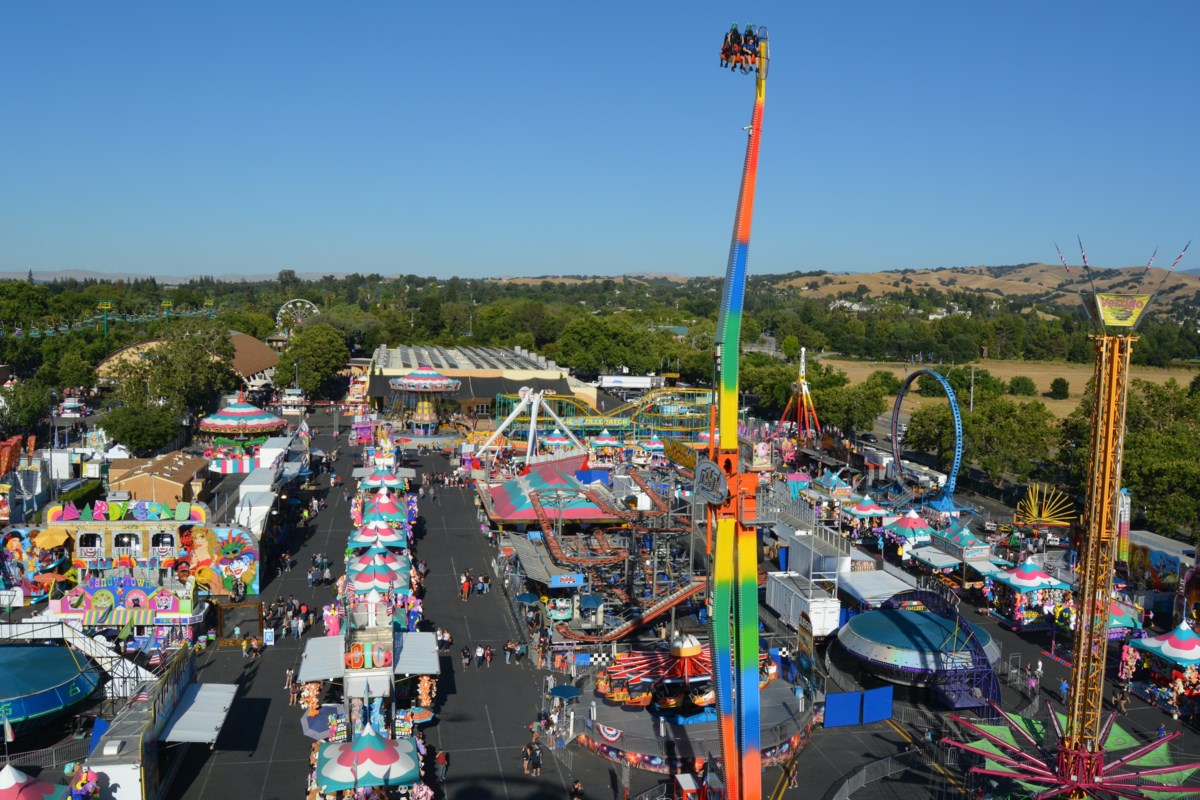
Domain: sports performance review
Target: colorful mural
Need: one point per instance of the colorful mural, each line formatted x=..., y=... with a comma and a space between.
x=1154, y=569
x=154, y=614
x=22, y=560
x=139, y=510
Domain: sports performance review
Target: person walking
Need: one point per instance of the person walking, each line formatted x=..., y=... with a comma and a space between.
x=479, y=656
x=466, y=658
x=441, y=763
x=509, y=647
x=289, y=677
x=294, y=693
x=1063, y=689
x=488, y=655
x=526, y=756
x=576, y=792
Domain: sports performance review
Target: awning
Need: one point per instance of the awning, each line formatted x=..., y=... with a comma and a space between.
x=200, y=713
x=415, y=654
x=120, y=616
x=931, y=556
x=530, y=562
x=324, y=659
x=985, y=566
x=368, y=683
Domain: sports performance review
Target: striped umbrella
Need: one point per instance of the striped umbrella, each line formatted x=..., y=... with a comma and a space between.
x=240, y=417
x=381, y=479
x=910, y=525
x=655, y=445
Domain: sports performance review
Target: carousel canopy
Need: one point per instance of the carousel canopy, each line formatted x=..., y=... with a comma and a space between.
x=377, y=577
x=369, y=760
x=425, y=379
x=376, y=556
x=1027, y=577
x=241, y=418
x=556, y=439
x=866, y=507
x=1180, y=646
x=654, y=445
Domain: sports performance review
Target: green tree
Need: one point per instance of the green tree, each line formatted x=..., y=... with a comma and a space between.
x=187, y=370
x=1022, y=386
x=1007, y=439
x=850, y=408
x=885, y=380
x=790, y=346
x=1060, y=389
x=23, y=405
x=315, y=357
x=142, y=428
x=74, y=371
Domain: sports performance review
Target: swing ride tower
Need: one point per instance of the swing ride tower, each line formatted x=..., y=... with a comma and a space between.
x=731, y=492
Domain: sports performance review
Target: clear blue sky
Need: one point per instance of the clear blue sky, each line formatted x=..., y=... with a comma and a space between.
x=483, y=139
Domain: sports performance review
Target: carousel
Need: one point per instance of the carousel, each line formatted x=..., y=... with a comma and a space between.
x=237, y=432
x=420, y=393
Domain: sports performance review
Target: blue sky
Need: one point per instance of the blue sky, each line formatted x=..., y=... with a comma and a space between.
x=485, y=139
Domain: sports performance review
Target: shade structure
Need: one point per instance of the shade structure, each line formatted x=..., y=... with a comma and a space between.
x=376, y=556
x=565, y=692
x=377, y=577
x=381, y=479
x=240, y=417
x=16, y=785
x=917, y=642
x=37, y=682
x=425, y=380
x=51, y=538
x=386, y=507
x=556, y=439
x=1180, y=646
x=655, y=445
x=369, y=760
x=911, y=526
x=316, y=726
x=866, y=507
x=1026, y=577
x=378, y=533
x=1121, y=615
x=526, y=598
x=605, y=439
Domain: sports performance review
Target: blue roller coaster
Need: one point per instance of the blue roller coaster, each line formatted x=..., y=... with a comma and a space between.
x=947, y=492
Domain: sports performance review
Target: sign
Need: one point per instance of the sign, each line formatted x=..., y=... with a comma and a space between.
x=680, y=453
x=1121, y=310
x=710, y=482
x=269, y=637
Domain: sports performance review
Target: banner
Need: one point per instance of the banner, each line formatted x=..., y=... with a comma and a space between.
x=1121, y=310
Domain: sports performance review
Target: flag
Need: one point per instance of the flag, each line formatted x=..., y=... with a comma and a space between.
x=8, y=731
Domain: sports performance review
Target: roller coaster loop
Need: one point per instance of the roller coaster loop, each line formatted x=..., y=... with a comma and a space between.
x=952, y=475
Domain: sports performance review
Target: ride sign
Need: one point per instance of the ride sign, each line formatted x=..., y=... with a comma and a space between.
x=710, y=482
x=680, y=453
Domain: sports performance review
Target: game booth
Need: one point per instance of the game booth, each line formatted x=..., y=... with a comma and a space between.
x=1165, y=670
x=1025, y=598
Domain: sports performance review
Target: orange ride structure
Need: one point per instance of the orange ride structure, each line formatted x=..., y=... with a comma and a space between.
x=1078, y=768
x=730, y=493
x=800, y=406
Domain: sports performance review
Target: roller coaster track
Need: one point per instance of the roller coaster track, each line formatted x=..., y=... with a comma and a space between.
x=572, y=405
x=606, y=555
x=637, y=617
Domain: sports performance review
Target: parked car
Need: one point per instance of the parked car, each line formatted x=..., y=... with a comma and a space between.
x=869, y=438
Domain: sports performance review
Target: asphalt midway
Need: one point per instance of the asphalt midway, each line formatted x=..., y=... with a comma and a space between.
x=483, y=715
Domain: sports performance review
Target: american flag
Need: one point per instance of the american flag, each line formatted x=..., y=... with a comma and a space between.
x=141, y=697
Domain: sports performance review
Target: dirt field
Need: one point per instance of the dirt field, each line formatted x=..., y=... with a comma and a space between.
x=1041, y=373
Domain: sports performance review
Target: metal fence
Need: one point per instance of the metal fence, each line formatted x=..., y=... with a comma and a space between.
x=62, y=753
x=869, y=773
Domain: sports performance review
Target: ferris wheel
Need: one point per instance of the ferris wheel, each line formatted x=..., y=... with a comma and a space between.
x=294, y=312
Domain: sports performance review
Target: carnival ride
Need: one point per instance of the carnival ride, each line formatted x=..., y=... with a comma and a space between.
x=669, y=411
x=800, y=404
x=944, y=499
x=103, y=317
x=421, y=396
x=734, y=582
x=1076, y=765
x=294, y=312
x=1045, y=505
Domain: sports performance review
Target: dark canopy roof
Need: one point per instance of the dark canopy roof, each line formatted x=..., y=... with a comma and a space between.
x=474, y=388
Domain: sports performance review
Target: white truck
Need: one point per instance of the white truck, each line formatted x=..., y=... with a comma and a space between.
x=790, y=594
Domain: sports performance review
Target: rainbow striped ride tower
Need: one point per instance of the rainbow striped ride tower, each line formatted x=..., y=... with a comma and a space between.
x=734, y=579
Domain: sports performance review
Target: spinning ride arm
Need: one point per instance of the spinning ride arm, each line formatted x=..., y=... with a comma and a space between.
x=734, y=578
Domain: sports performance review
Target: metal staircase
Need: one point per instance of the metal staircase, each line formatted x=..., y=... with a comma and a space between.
x=971, y=685
x=636, y=617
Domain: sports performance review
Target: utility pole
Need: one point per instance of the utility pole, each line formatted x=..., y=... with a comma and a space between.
x=971, y=407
